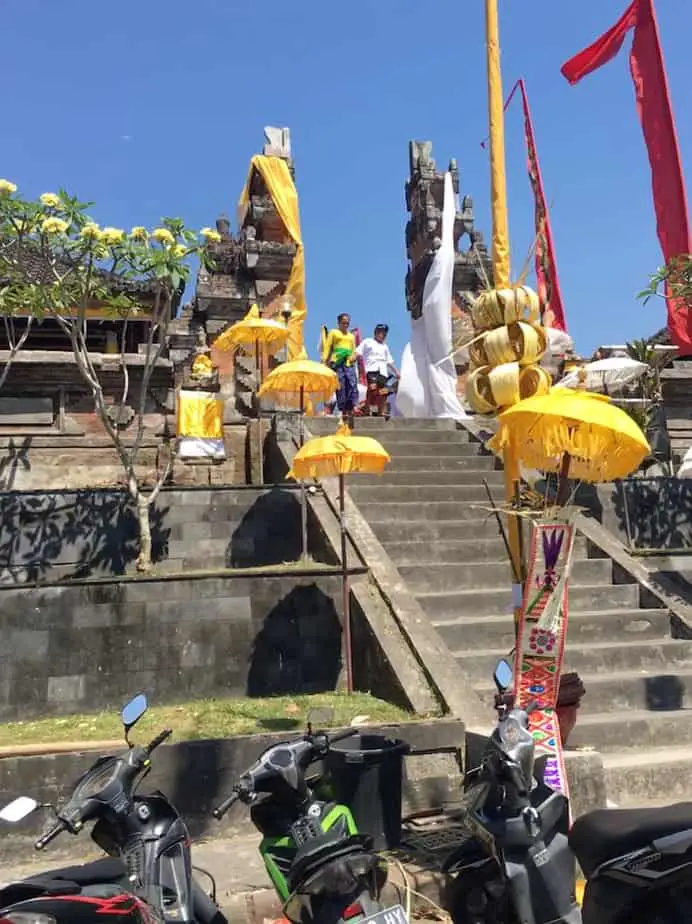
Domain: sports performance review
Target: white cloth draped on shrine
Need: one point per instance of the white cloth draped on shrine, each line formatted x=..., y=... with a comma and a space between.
x=428, y=384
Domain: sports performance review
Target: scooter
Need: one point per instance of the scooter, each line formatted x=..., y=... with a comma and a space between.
x=148, y=876
x=517, y=863
x=322, y=868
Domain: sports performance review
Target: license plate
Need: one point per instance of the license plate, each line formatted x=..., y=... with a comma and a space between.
x=393, y=915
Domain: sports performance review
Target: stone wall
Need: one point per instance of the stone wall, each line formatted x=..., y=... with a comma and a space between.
x=644, y=513
x=49, y=536
x=85, y=647
x=87, y=459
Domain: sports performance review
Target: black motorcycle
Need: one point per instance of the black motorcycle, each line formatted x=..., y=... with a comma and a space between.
x=148, y=876
x=518, y=862
x=322, y=868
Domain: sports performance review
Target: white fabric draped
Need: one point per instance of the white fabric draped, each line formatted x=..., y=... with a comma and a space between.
x=428, y=384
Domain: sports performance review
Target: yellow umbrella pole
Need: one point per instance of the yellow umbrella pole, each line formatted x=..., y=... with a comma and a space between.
x=258, y=401
x=500, y=248
x=345, y=590
x=303, y=498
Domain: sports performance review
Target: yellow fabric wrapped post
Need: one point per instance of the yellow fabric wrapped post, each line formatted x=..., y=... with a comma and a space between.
x=199, y=425
x=282, y=190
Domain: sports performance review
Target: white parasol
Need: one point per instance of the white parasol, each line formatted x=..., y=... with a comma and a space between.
x=605, y=375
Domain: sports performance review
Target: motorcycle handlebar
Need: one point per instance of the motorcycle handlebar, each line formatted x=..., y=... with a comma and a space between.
x=159, y=739
x=349, y=733
x=50, y=835
x=224, y=806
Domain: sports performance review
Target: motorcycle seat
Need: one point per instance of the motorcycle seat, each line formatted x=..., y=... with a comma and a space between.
x=106, y=869
x=610, y=833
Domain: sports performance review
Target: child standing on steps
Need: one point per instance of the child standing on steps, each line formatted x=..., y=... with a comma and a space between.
x=339, y=353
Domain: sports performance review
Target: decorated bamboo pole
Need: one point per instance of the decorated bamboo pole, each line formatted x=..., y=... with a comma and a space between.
x=500, y=257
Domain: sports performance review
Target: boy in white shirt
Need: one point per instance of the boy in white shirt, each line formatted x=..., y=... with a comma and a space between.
x=379, y=364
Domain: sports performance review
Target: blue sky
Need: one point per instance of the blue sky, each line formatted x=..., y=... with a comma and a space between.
x=155, y=107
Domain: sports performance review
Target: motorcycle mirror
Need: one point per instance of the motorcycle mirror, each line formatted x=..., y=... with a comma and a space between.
x=18, y=809
x=133, y=712
x=504, y=675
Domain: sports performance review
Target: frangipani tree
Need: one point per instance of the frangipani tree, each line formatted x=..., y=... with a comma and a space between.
x=56, y=262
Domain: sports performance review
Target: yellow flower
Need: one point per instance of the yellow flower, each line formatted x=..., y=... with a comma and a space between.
x=179, y=250
x=112, y=235
x=7, y=188
x=138, y=233
x=50, y=200
x=163, y=236
x=54, y=226
x=210, y=235
x=90, y=231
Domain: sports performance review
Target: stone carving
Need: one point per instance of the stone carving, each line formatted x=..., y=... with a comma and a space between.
x=278, y=142
x=249, y=266
x=424, y=201
x=120, y=415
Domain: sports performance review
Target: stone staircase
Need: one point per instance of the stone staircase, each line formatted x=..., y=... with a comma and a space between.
x=427, y=512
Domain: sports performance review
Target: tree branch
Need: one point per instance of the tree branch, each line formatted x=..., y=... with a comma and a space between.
x=14, y=347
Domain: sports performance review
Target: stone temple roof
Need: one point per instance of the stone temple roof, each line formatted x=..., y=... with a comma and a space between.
x=37, y=270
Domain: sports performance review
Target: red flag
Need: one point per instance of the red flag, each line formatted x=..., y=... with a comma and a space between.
x=553, y=312
x=656, y=117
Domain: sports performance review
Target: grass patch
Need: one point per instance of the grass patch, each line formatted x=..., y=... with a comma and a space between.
x=208, y=718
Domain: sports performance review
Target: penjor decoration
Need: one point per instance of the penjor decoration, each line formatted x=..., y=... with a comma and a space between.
x=541, y=642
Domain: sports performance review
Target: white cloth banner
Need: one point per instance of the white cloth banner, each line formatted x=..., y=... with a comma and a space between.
x=194, y=447
x=428, y=384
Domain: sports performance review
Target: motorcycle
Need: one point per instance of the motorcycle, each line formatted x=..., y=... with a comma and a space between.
x=517, y=862
x=321, y=867
x=148, y=874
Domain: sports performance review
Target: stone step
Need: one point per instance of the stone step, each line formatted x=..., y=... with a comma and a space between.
x=594, y=627
x=639, y=778
x=425, y=493
x=453, y=449
x=415, y=531
x=431, y=477
x=587, y=658
x=618, y=691
x=430, y=511
x=475, y=603
x=632, y=730
x=482, y=544
x=441, y=577
x=390, y=439
x=378, y=425
x=422, y=463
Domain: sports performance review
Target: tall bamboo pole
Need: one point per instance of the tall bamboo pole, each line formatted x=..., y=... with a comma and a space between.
x=500, y=244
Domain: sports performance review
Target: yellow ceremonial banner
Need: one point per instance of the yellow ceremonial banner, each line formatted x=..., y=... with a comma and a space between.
x=199, y=415
x=282, y=190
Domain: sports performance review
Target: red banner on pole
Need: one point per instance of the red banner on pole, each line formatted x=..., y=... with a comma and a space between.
x=656, y=117
x=547, y=282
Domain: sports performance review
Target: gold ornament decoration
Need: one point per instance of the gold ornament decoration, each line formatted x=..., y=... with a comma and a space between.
x=517, y=342
x=495, y=307
x=534, y=381
x=489, y=389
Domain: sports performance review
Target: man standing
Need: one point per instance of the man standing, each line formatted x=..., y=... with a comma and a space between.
x=339, y=353
x=379, y=365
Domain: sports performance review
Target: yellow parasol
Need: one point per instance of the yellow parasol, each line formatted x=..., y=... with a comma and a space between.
x=289, y=383
x=339, y=455
x=576, y=433
x=254, y=331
